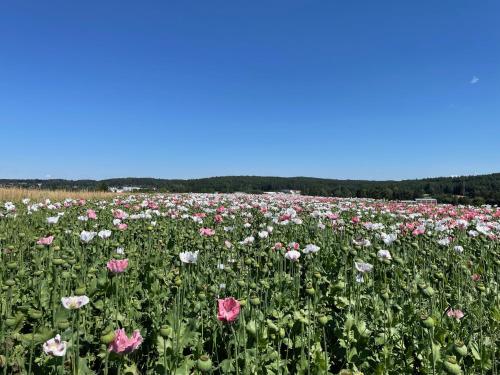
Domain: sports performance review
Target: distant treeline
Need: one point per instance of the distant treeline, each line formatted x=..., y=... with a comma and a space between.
x=465, y=190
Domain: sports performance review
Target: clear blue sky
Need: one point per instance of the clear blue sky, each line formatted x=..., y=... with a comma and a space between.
x=179, y=89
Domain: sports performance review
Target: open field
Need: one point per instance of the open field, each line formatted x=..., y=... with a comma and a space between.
x=246, y=284
x=38, y=195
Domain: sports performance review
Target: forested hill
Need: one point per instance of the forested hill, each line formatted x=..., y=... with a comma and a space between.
x=466, y=189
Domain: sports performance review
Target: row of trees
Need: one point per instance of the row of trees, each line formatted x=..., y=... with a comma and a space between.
x=465, y=190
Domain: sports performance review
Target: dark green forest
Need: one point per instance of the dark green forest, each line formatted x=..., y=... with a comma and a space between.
x=483, y=189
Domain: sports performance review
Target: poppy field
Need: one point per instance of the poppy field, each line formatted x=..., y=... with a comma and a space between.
x=248, y=284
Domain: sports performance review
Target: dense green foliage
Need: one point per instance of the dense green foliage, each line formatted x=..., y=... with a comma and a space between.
x=458, y=190
x=326, y=286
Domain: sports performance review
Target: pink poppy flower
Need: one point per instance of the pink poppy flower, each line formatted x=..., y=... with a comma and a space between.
x=207, y=232
x=123, y=344
x=119, y=214
x=45, y=240
x=229, y=309
x=355, y=220
x=457, y=314
x=218, y=219
x=122, y=226
x=91, y=214
x=476, y=277
x=117, y=265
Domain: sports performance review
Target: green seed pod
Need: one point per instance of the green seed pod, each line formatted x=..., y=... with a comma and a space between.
x=451, y=366
x=255, y=301
x=310, y=291
x=273, y=327
x=323, y=319
x=428, y=292
x=241, y=283
x=101, y=282
x=460, y=348
x=339, y=285
x=12, y=265
x=108, y=337
x=243, y=302
x=10, y=282
x=165, y=331
x=10, y=322
x=35, y=314
x=57, y=261
x=251, y=328
x=202, y=296
x=72, y=261
x=56, y=248
x=204, y=363
x=63, y=324
x=282, y=332
x=80, y=290
x=428, y=321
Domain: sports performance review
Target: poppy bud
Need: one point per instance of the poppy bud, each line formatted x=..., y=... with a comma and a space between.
x=451, y=366
x=12, y=265
x=165, y=331
x=10, y=282
x=108, y=337
x=428, y=321
x=204, y=363
x=460, y=348
x=80, y=291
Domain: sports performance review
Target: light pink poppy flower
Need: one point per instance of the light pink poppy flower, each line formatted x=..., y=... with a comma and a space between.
x=229, y=309
x=45, y=240
x=457, y=314
x=292, y=255
x=122, y=344
x=122, y=226
x=207, y=232
x=74, y=302
x=117, y=265
x=91, y=214
x=55, y=347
